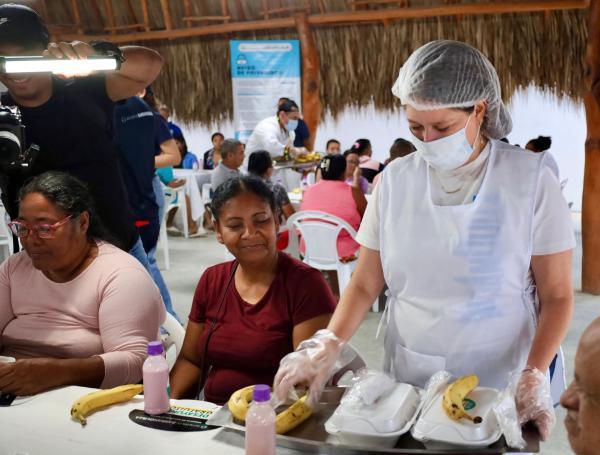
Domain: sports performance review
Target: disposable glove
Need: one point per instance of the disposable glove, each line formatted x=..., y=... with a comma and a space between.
x=534, y=401
x=312, y=364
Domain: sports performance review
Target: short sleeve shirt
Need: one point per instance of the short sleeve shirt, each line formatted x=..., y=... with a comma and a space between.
x=249, y=341
x=74, y=130
x=135, y=130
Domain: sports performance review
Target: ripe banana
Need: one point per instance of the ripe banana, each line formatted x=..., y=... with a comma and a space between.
x=91, y=402
x=285, y=421
x=454, y=395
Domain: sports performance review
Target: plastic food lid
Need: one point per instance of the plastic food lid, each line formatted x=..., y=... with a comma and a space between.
x=391, y=413
x=261, y=393
x=155, y=348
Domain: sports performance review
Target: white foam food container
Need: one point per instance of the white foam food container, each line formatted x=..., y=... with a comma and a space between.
x=380, y=424
x=435, y=429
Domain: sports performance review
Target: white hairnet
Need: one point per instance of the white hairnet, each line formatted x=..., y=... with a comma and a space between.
x=450, y=74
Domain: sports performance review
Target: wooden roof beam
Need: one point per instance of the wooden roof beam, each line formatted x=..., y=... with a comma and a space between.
x=145, y=14
x=206, y=18
x=76, y=16
x=110, y=16
x=164, y=6
x=339, y=18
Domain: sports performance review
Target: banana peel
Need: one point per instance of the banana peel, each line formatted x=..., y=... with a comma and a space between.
x=285, y=421
x=454, y=395
x=87, y=404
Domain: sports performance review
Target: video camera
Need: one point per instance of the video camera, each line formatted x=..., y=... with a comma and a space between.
x=13, y=151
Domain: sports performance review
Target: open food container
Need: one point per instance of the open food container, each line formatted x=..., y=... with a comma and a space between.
x=436, y=430
x=379, y=424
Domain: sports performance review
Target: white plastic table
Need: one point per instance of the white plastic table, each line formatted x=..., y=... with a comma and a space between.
x=43, y=426
x=194, y=179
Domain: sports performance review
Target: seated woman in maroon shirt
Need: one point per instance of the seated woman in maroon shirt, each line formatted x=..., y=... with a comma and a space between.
x=252, y=311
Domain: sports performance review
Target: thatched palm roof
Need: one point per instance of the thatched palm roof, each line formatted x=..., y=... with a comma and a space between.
x=358, y=63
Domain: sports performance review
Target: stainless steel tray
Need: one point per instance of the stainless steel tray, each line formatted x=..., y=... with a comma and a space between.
x=311, y=437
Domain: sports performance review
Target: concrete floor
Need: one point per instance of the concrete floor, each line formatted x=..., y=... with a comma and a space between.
x=189, y=259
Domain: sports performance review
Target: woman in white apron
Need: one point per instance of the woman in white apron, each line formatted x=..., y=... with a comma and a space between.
x=473, y=239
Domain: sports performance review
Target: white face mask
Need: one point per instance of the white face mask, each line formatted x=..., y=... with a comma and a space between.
x=448, y=152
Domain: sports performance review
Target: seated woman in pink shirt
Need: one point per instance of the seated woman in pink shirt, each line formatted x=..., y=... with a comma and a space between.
x=334, y=196
x=74, y=310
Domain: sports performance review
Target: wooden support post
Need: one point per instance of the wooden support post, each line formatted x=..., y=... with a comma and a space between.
x=311, y=99
x=590, y=228
x=110, y=16
x=164, y=6
x=145, y=15
x=76, y=16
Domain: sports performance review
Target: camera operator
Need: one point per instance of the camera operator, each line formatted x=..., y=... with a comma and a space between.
x=70, y=119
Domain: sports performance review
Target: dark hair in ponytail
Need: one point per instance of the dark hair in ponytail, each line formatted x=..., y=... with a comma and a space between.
x=541, y=144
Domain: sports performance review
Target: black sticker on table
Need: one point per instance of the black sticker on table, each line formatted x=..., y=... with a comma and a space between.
x=169, y=422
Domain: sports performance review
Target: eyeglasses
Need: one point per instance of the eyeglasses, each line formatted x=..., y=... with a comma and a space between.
x=42, y=230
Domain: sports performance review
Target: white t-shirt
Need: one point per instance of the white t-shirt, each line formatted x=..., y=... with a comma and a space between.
x=268, y=135
x=552, y=225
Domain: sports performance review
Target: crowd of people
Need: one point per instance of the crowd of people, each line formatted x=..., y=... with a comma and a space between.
x=470, y=235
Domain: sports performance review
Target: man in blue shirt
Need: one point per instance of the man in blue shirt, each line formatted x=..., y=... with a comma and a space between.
x=139, y=136
x=165, y=113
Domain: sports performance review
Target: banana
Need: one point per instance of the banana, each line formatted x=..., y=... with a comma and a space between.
x=285, y=421
x=454, y=395
x=91, y=402
x=239, y=402
x=293, y=416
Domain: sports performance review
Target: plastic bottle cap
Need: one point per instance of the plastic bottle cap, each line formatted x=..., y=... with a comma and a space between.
x=261, y=393
x=155, y=348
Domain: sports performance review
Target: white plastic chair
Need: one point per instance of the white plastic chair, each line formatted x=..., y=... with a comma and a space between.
x=320, y=231
x=179, y=202
x=6, y=238
x=173, y=342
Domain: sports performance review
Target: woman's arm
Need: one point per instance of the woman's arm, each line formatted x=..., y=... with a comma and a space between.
x=306, y=329
x=365, y=286
x=31, y=376
x=357, y=193
x=185, y=375
x=552, y=274
x=169, y=155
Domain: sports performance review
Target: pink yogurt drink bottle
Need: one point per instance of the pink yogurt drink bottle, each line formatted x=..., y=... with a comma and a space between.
x=156, y=380
x=260, y=423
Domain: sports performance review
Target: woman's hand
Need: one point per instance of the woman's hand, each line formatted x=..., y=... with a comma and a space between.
x=176, y=183
x=534, y=402
x=26, y=377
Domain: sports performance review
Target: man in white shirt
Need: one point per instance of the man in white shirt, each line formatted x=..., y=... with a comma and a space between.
x=275, y=134
x=232, y=157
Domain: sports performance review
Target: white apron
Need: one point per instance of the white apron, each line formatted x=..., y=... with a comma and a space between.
x=461, y=297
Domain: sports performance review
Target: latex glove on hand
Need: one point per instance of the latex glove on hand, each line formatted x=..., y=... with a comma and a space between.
x=312, y=363
x=534, y=401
